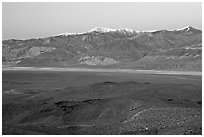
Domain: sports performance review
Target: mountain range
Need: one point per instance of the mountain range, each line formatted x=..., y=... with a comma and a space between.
x=123, y=48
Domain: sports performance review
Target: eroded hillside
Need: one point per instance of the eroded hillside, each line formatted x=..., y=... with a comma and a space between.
x=179, y=49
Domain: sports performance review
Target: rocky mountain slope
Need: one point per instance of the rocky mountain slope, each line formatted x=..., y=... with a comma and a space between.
x=111, y=48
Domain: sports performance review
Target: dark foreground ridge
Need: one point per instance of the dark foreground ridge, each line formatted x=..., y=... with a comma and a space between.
x=107, y=107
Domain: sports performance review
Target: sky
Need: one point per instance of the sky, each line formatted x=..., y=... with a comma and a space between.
x=35, y=20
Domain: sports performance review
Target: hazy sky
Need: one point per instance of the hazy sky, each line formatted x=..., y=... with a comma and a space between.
x=34, y=20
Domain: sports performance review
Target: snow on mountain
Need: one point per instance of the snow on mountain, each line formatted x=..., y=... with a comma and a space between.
x=123, y=30
x=69, y=34
x=106, y=30
x=101, y=29
x=187, y=28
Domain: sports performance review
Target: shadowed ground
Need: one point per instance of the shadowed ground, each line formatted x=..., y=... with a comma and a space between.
x=40, y=102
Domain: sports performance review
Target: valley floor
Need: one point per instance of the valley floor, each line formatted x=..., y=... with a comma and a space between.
x=49, y=101
x=4, y=68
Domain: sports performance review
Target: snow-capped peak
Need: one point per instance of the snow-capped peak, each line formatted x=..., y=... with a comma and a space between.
x=101, y=29
x=105, y=30
x=187, y=28
x=124, y=31
x=96, y=29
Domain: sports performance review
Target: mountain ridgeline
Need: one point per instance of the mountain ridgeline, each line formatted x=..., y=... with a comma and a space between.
x=110, y=48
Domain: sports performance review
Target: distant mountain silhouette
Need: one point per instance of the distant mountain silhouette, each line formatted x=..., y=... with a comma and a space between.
x=113, y=48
